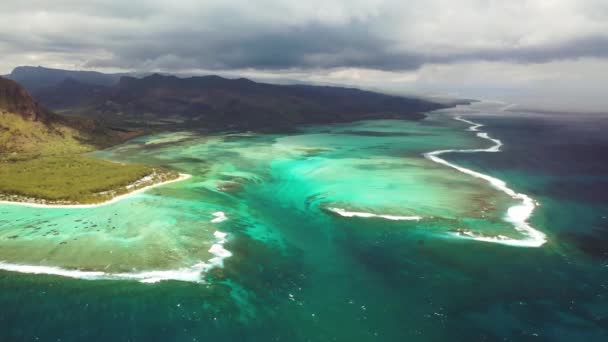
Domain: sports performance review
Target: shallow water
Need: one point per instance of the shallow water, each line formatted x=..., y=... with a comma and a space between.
x=298, y=270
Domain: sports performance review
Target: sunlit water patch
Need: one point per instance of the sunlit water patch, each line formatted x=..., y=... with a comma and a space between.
x=252, y=184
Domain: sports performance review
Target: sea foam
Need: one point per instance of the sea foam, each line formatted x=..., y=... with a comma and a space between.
x=517, y=215
x=218, y=250
x=219, y=216
x=192, y=273
x=345, y=213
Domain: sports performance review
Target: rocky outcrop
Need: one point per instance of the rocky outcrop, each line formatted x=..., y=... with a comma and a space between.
x=16, y=100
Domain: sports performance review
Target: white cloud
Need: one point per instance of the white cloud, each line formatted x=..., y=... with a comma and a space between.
x=474, y=47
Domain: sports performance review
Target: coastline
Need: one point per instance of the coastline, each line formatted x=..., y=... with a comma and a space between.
x=182, y=176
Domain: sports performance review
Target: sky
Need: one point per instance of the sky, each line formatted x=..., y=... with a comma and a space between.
x=545, y=54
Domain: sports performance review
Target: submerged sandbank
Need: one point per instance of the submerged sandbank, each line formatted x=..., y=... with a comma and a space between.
x=193, y=273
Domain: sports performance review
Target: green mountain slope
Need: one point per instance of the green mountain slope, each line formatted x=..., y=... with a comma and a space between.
x=41, y=157
x=27, y=129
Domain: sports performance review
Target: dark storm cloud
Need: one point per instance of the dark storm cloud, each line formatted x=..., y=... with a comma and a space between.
x=270, y=35
x=313, y=46
x=321, y=47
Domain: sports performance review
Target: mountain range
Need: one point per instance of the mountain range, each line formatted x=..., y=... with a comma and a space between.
x=99, y=109
x=36, y=78
x=209, y=102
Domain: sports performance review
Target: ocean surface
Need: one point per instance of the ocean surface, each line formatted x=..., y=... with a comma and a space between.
x=471, y=225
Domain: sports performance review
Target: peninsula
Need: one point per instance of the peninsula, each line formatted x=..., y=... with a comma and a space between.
x=43, y=161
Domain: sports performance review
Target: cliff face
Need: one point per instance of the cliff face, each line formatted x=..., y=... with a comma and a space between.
x=28, y=130
x=15, y=99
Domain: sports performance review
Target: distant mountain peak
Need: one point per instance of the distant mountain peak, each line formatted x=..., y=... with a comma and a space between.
x=35, y=78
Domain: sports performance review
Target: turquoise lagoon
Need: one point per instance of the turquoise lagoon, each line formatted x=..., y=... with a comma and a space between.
x=338, y=232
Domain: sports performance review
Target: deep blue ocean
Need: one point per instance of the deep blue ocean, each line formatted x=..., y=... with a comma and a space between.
x=335, y=279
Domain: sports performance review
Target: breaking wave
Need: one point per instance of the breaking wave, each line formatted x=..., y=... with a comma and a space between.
x=517, y=215
x=192, y=273
x=345, y=213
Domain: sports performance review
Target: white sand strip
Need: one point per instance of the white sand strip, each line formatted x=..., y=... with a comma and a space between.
x=182, y=176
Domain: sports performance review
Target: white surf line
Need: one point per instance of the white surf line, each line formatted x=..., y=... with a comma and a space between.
x=219, y=216
x=192, y=273
x=517, y=215
x=182, y=176
x=218, y=250
x=345, y=213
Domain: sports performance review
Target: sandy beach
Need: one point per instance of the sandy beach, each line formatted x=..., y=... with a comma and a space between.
x=182, y=176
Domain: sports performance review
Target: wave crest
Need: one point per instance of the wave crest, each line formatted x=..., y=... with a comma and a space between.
x=517, y=215
x=192, y=273
x=345, y=213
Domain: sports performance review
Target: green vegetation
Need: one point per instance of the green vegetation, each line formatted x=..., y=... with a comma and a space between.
x=42, y=162
x=22, y=139
x=25, y=139
x=41, y=155
x=66, y=179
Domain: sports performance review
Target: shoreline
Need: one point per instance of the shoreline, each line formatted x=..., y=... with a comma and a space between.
x=182, y=176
